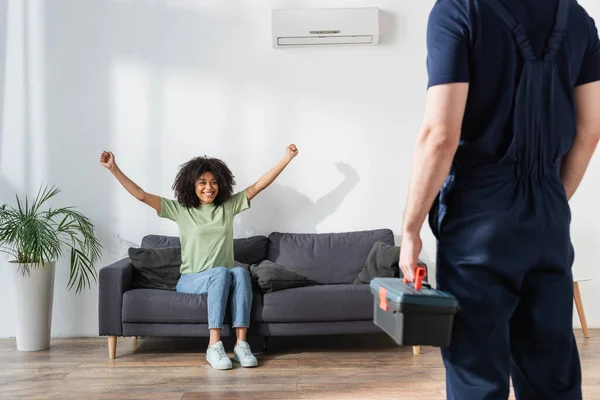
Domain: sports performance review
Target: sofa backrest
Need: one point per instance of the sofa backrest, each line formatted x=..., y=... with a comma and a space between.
x=250, y=250
x=326, y=258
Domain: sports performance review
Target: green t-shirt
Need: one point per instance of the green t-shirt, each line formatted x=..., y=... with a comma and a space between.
x=206, y=232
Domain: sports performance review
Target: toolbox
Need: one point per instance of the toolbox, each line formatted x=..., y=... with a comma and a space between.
x=413, y=314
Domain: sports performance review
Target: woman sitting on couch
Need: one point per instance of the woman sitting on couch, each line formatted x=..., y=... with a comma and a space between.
x=204, y=212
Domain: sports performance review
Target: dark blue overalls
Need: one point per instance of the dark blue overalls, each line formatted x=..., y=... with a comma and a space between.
x=504, y=247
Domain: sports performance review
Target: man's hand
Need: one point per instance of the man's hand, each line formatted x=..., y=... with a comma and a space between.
x=409, y=254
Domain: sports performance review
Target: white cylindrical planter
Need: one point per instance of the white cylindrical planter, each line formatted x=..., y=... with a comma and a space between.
x=34, y=293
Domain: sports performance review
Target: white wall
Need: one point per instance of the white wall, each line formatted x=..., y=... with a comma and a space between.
x=158, y=82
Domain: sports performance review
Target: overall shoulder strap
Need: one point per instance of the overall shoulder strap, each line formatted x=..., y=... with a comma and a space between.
x=560, y=28
x=515, y=27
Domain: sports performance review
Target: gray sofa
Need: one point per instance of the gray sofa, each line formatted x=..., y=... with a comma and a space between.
x=334, y=305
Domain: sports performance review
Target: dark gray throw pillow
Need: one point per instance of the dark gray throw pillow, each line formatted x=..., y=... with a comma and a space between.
x=271, y=277
x=382, y=262
x=155, y=268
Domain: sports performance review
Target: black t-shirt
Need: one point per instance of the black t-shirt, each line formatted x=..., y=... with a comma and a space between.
x=468, y=42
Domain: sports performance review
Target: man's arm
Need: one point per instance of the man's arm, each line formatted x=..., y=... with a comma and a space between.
x=434, y=151
x=574, y=165
x=448, y=46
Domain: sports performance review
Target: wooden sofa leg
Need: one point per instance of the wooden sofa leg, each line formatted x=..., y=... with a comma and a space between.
x=416, y=350
x=112, y=347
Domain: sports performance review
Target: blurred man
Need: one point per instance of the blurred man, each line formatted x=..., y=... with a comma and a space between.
x=511, y=122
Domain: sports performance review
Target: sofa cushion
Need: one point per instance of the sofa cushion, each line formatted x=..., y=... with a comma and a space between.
x=164, y=307
x=250, y=250
x=346, y=302
x=155, y=268
x=327, y=257
x=167, y=307
x=271, y=277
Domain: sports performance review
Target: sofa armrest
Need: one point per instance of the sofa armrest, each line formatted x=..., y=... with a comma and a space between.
x=113, y=281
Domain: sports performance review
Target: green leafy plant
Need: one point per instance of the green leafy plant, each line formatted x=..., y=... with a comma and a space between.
x=35, y=236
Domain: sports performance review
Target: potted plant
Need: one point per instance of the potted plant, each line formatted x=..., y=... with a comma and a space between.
x=37, y=238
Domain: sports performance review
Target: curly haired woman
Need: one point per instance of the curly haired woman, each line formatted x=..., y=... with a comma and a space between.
x=204, y=212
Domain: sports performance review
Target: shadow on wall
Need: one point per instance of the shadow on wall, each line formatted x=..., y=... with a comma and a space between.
x=282, y=208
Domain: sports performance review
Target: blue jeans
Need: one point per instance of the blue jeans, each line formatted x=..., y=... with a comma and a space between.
x=216, y=283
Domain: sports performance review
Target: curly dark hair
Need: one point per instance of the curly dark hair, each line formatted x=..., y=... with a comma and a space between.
x=185, y=182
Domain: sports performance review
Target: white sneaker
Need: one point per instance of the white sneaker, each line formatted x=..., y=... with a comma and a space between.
x=243, y=355
x=217, y=357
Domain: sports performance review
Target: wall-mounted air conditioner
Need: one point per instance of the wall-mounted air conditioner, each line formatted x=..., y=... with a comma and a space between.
x=325, y=27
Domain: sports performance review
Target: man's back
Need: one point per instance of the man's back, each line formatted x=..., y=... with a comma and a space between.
x=481, y=50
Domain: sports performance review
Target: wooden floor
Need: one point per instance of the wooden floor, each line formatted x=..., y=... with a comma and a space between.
x=370, y=367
